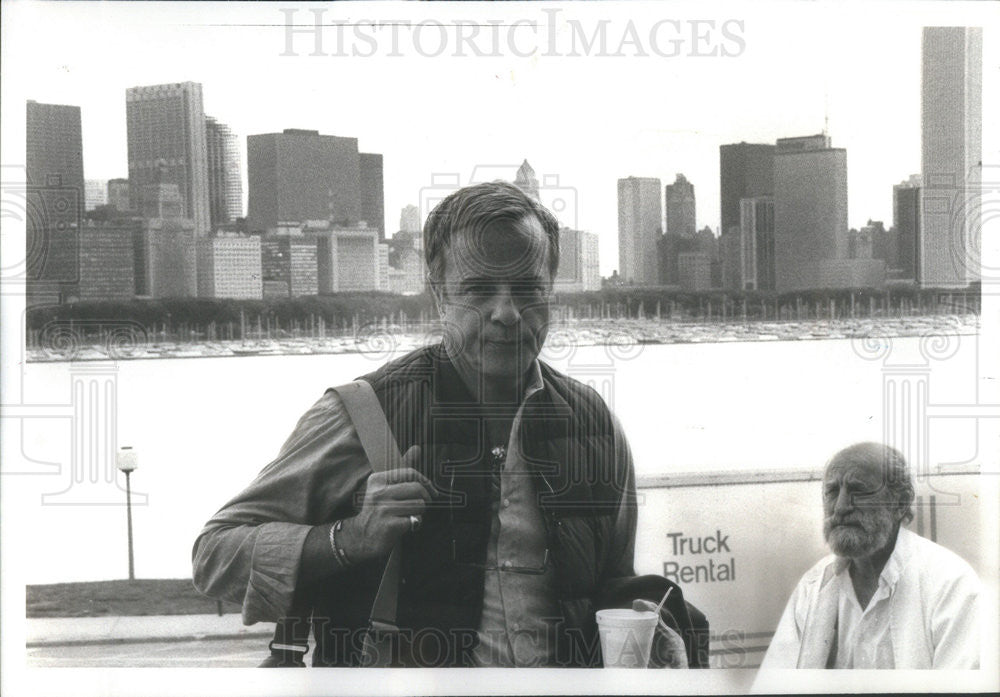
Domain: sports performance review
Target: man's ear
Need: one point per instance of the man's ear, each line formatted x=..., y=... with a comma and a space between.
x=899, y=511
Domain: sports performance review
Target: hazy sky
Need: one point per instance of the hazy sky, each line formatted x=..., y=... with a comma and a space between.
x=587, y=119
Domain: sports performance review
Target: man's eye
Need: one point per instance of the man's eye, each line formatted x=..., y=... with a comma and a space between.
x=479, y=289
x=531, y=289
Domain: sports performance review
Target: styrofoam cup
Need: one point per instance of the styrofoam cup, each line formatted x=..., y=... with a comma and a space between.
x=626, y=637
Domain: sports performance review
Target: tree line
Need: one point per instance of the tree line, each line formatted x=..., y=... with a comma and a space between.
x=349, y=310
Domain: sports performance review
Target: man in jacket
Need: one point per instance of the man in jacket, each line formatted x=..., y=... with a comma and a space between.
x=886, y=598
x=516, y=501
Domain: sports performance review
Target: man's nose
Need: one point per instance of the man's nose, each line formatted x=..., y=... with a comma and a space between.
x=504, y=308
x=844, y=502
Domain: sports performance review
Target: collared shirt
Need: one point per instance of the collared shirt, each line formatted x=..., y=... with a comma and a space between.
x=863, y=636
x=925, y=614
x=519, y=600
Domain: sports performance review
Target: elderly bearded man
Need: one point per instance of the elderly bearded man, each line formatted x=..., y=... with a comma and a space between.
x=520, y=479
x=886, y=598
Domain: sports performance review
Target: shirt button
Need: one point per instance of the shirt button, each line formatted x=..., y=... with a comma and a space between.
x=506, y=503
x=507, y=564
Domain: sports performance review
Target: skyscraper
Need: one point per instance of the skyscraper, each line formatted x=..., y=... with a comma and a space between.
x=300, y=176
x=952, y=123
x=54, y=146
x=680, y=205
x=748, y=251
x=166, y=124
x=904, y=264
x=640, y=223
x=579, y=268
x=810, y=209
x=55, y=199
x=225, y=183
x=372, y=191
x=746, y=170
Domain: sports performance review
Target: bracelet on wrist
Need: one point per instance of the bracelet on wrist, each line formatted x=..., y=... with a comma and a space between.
x=338, y=551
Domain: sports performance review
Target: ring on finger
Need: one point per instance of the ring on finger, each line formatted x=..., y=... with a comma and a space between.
x=414, y=523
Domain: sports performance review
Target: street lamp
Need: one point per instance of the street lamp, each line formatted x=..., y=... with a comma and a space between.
x=127, y=461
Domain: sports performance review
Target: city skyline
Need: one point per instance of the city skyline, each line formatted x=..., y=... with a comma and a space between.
x=399, y=110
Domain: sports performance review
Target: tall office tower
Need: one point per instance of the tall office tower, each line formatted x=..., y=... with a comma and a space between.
x=904, y=265
x=746, y=170
x=579, y=268
x=55, y=198
x=748, y=255
x=300, y=176
x=166, y=124
x=526, y=180
x=680, y=205
x=118, y=194
x=952, y=125
x=225, y=185
x=810, y=211
x=229, y=266
x=372, y=191
x=640, y=224
x=95, y=193
x=54, y=146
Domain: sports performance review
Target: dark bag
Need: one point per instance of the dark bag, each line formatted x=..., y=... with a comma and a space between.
x=382, y=641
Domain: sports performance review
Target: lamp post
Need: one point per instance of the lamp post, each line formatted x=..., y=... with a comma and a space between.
x=127, y=461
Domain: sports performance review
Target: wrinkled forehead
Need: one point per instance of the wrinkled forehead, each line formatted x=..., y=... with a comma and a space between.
x=500, y=248
x=862, y=472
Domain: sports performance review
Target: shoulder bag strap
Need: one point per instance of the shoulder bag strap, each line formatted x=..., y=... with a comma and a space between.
x=383, y=454
x=291, y=634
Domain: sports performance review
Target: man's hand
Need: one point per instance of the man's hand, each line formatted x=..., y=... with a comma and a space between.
x=668, y=648
x=391, y=497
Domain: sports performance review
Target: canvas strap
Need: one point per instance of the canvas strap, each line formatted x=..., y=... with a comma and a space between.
x=291, y=634
x=383, y=454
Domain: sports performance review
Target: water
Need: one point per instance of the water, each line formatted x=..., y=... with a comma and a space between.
x=203, y=428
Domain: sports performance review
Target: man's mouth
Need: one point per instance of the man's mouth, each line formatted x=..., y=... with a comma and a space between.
x=846, y=524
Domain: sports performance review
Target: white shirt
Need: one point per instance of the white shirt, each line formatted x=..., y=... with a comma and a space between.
x=924, y=614
x=863, y=637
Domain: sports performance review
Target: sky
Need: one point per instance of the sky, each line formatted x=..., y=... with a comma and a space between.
x=654, y=101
